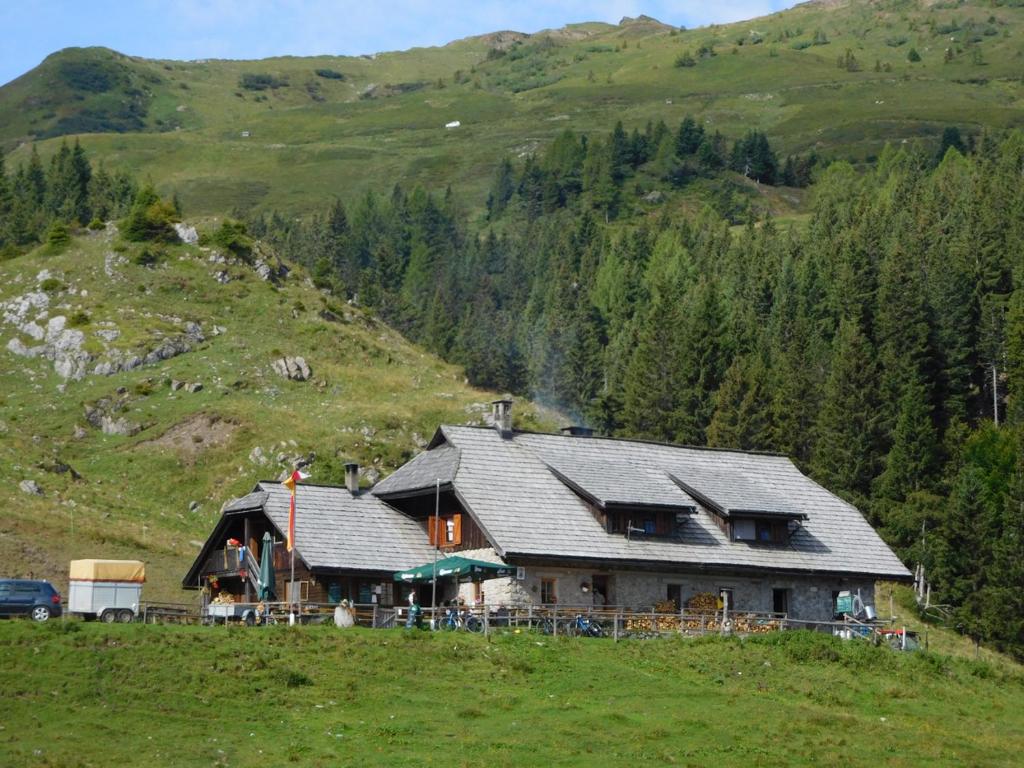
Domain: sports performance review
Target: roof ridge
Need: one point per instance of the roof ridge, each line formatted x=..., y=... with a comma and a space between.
x=641, y=440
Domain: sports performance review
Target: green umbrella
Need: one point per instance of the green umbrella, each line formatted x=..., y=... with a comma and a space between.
x=459, y=567
x=266, y=578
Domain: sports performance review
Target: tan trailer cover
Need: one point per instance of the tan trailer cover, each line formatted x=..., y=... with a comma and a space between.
x=108, y=570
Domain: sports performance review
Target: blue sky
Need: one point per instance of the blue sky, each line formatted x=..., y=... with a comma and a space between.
x=199, y=29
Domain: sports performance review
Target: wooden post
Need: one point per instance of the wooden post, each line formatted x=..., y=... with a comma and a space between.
x=487, y=622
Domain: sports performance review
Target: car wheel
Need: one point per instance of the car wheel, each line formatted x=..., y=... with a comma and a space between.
x=125, y=616
x=250, y=619
x=40, y=613
x=108, y=617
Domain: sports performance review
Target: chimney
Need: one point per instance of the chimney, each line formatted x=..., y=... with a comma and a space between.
x=575, y=430
x=502, y=413
x=352, y=477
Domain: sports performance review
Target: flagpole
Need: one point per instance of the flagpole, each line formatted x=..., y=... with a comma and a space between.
x=291, y=588
x=437, y=548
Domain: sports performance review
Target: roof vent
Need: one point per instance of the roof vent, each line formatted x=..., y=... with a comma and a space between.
x=574, y=430
x=352, y=477
x=501, y=411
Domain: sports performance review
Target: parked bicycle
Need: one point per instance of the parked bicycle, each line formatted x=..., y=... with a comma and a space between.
x=455, y=619
x=583, y=626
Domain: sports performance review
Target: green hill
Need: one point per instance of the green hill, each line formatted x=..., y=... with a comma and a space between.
x=120, y=458
x=288, y=133
x=88, y=694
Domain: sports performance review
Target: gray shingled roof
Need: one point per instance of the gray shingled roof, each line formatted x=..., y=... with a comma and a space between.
x=334, y=529
x=422, y=472
x=254, y=500
x=608, y=483
x=527, y=510
x=729, y=490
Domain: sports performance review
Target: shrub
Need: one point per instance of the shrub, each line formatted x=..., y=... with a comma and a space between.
x=330, y=74
x=51, y=285
x=79, y=318
x=685, y=59
x=97, y=224
x=147, y=257
x=57, y=235
x=233, y=236
x=913, y=55
x=252, y=81
x=150, y=218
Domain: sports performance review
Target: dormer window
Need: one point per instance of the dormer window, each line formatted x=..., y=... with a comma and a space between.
x=762, y=531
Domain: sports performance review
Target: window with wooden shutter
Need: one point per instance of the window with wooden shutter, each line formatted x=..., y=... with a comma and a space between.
x=456, y=530
x=432, y=531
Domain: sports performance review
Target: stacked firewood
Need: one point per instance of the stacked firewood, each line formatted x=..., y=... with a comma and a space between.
x=224, y=598
x=753, y=625
x=702, y=603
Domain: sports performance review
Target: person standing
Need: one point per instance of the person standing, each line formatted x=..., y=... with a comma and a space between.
x=415, y=618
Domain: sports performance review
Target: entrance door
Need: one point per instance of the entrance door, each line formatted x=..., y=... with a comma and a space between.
x=675, y=594
x=600, y=583
x=780, y=600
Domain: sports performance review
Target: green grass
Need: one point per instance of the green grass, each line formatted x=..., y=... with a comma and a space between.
x=302, y=152
x=373, y=398
x=87, y=694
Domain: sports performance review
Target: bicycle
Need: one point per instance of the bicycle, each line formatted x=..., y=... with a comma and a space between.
x=584, y=627
x=455, y=620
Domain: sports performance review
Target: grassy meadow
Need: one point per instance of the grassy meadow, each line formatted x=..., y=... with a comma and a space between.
x=373, y=398
x=92, y=695
x=379, y=119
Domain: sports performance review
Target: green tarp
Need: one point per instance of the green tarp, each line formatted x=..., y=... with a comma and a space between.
x=459, y=568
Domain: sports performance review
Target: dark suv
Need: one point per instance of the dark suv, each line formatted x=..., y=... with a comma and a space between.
x=24, y=597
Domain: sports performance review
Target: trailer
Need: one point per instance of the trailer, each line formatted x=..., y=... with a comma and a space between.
x=108, y=590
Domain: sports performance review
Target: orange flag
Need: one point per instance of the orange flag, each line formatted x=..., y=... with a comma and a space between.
x=290, y=484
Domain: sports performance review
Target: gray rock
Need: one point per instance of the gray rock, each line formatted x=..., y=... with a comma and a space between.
x=195, y=386
x=256, y=455
x=80, y=433
x=193, y=506
x=119, y=426
x=109, y=334
x=262, y=269
x=30, y=487
x=222, y=277
x=294, y=368
x=654, y=197
x=187, y=234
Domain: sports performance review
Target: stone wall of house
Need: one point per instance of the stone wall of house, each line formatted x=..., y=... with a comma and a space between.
x=809, y=598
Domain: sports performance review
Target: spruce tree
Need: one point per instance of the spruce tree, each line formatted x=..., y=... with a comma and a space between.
x=845, y=457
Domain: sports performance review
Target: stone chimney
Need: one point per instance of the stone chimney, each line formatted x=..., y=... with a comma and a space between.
x=352, y=477
x=575, y=430
x=501, y=410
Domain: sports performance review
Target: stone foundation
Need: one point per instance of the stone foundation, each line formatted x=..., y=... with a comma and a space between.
x=807, y=598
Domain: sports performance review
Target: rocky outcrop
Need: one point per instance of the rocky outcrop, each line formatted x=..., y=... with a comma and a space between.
x=186, y=234
x=30, y=487
x=294, y=368
x=103, y=415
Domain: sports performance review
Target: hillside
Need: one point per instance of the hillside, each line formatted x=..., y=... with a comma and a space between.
x=130, y=461
x=837, y=78
x=88, y=694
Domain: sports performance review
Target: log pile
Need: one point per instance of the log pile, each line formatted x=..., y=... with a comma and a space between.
x=702, y=603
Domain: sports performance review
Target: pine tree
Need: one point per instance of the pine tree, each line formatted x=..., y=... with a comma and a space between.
x=501, y=190
x=689, y=137
x=1015, y=359
x=912, y=462
x=845, y=457
x=742, y=407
